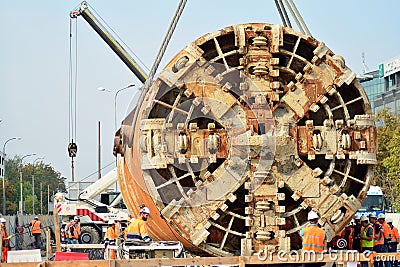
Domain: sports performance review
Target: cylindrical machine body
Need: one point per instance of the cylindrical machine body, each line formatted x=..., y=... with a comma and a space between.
x=244, y=132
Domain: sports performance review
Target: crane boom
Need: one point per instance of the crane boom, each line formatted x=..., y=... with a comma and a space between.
x=83, y=11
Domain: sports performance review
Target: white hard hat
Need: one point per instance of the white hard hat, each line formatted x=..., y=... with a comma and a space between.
x=357, y=217
x=312, y=215
x=145, y=210
x=76, y=218
x=2, y=220
x=372, y=215
x=36, y=217
x=110, y=222
x=389, y=220
x=381, y=216
x=364, y=219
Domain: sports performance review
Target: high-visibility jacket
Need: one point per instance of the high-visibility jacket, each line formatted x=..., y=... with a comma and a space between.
x=78, y=228
x=5, y=242
x=314, y=238
x=395, y=234
x=110, y=234
x=137, y=229
x=386, y=230
x=36, y=229
x=379, y=238
x=72, y=231
x=366, y=243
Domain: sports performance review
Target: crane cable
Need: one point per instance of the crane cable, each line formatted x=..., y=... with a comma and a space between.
x=156, y=63
x=280, y=5
x=72, y=93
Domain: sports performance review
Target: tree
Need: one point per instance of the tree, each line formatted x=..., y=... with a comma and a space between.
x=388, y=155
x=42, y=173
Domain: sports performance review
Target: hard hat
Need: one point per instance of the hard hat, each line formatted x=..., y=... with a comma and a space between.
x=312, y=215
x=2, y=220
x=364, y=218
x=145, y=210
x=357, y=217
x=36, y=217
x=76, y=218
x=389, y=220
x=110, y=222
x=381, y=216
x=372, y=215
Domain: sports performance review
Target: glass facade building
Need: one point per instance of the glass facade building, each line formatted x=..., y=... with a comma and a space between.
x=373, y=84
x=390, y=98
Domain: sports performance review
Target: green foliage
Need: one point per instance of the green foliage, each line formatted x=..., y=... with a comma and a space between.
x=388, y=168
x=40, y=173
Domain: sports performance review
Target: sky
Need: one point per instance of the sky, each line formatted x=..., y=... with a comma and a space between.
x=35, y=52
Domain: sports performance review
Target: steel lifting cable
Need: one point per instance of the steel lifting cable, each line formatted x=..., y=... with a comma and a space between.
x=282, y=13
x=72, y=92
x=72, y=80
x=156, y=63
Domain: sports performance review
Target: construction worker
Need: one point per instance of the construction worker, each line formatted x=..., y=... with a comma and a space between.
x=367, y=237
x=71, y=232
x=314, y=238
x=357, y=233
x=78, y=228
x=395, y=239
x=36, y=231
x=379, y=238
x=386, y=235
x=19, y=236
x=109, y=239
x=349, y=235
x=138, y=228
x=5, y=240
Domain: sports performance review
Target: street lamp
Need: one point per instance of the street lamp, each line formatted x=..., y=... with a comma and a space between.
x=20, y=181
x=115, y=99
x=4, y=170
x=33, y=186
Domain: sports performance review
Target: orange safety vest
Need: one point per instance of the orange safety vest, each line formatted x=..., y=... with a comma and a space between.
x=137, y=229
x=386, y=230
x=5, y=243
x=110, y=234
x=314, y=238
x=379, y=235
x=74, y=233
x=395, y=234
x=78, y=229
x=36, y=227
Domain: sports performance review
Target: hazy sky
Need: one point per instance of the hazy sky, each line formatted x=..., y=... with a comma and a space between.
x=34, y=55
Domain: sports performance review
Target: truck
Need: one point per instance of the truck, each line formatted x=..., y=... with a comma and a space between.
x=374, y=202
x=94, y=207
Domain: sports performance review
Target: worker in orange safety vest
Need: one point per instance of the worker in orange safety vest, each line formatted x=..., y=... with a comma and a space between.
x=36, y=231
x=379, y=236
x=314, y=238
x=109, y=240
x=5, y=239
x=137, y=229
x=395, y=239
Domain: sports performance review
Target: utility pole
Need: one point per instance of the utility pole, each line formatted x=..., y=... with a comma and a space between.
x=99, y=153
x=48, y=199
x=33, y=194
x=41, y=199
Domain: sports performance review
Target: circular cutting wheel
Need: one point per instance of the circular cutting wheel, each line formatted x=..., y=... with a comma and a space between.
x=244, y=132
